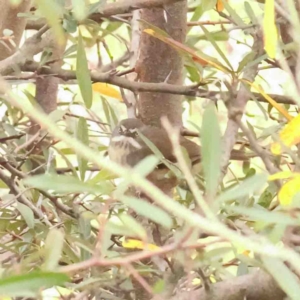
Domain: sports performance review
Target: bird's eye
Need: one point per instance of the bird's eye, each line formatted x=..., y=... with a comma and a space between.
x=122, y=129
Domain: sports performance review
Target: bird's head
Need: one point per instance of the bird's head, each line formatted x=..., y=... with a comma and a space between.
x=128, y=128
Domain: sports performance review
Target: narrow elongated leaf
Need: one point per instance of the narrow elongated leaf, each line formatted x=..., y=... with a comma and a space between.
x=85, y=232
x=264, y=215
x=67, y=184
x=123, y=228
x=159, y=155
x=83, y=74
x=29, y=284
x=148, y=210
x=83, y=136
x=27, y=214
x=107, y=90
x=270, y=29
x=245, y=188
x=289, y=135
x=79, y=9
x=211, y=148
x=285, y=278
x=202, y=59
x=53, y=249
x=131, y=223
x=52, y=11
x=215, y=45
x=233, y=14
x=147, y=165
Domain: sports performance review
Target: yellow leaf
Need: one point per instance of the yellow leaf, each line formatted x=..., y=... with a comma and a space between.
x=220, y=5
x=282, y=175
x=136, y=244
x=280, y=108
x=186, y=50
x=107, y=90
x=289, y=136
x=288, y=191
x=270, y=29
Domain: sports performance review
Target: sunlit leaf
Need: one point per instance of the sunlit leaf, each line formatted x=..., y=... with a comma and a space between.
x=289, y=136
x=220, y=5
x=203, y=60
x=29, y=285
x=270, y=29
x=282, y=175
x=83, y=74
x=288, y=191
x=130, y=222
x=280, y=108
x=107, y=90
x=79, y=9
x=136, y=244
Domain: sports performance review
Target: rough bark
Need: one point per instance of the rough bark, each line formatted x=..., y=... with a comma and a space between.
x=255, y=286
x=9, y=20
x=158, y=62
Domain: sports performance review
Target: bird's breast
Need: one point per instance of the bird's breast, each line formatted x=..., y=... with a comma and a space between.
x=120, y=148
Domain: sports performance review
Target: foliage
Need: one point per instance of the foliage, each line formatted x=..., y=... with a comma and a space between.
x=74, y=232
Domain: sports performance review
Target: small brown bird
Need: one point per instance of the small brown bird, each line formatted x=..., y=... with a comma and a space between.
x=127, y=148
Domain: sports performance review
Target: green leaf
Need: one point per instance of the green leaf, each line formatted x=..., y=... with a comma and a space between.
x=67, y=184
x=233, y=14
x=83, y=136
x=265, y=198
x=79, y=9
x=211, y=148
x=250, y=13
x=260, y=214
x=247, y=187
x=85, y=232
x=285, y=278
x=27, y=214
x=53, y=249
x=131, y=223
x=117, y=227
x=29, y=285
x=215, y=45
x=147, y=165
x=52, y=11
x=159, y=155
x=249, y=57
x=208, y=4
x=148, y=210
x=83, y=74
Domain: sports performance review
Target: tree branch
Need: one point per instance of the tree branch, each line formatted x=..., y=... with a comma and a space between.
x=111, y=9
x=237, y=105
x=191, y=90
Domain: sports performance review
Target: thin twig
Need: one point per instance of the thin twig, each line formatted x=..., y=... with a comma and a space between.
x=21, y=198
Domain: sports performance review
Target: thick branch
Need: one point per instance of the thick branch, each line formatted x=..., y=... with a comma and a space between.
x=255, y=286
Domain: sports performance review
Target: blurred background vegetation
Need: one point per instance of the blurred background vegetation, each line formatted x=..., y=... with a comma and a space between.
x=67, y=229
